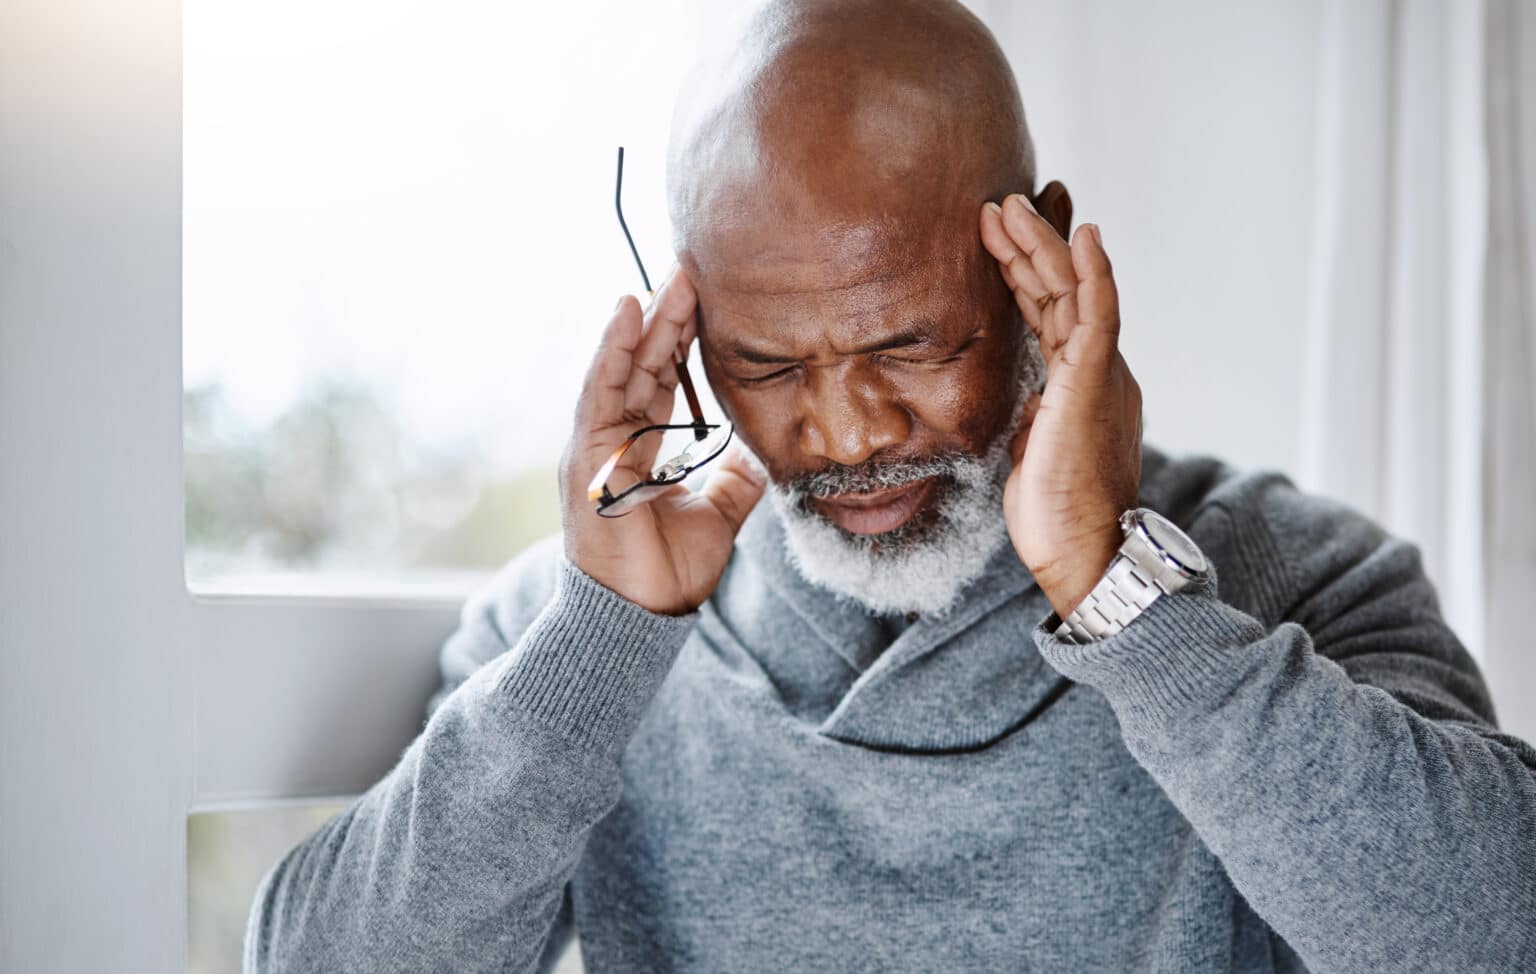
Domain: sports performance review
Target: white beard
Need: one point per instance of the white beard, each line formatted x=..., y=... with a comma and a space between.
x=924, y=570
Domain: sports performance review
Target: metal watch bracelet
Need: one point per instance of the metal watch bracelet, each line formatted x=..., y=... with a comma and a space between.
x=1137, y=576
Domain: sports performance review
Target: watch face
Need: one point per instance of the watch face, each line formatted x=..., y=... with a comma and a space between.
x=1175, y=543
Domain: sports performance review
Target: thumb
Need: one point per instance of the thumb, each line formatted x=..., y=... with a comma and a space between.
x=736, y=485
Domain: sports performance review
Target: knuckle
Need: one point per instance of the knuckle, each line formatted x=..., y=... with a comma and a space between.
x=1052, y=296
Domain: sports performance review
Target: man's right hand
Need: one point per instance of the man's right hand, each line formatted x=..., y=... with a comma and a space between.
x=668, y=555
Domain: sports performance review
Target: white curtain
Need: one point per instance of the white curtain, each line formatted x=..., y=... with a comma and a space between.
x=1509, y=366
x=1417, y=404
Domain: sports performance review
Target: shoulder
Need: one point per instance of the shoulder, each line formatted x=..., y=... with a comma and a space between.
x=1289, y=556
x=1273, y=543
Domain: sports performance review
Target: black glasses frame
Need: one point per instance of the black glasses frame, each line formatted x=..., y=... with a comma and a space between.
x=671, y=472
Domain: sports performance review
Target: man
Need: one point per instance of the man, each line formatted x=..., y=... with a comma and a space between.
x=873, y=724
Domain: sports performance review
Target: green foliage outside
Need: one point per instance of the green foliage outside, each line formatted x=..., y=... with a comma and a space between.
x=331, y=484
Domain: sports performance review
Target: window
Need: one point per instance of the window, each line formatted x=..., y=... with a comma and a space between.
x=398, y=250
x=227, y=855
x=399, y=246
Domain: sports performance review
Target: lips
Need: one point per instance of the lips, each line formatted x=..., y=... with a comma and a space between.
x=876, y=512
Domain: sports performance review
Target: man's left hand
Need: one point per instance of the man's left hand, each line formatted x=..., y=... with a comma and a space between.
x=1077, y=462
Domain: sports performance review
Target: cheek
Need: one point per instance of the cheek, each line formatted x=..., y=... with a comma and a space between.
x=965, y=406
x=763, y=418
x=767, y=424
x=940, y=400
x=969, y=404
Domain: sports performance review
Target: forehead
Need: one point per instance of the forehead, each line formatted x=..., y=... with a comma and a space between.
x=787, y=278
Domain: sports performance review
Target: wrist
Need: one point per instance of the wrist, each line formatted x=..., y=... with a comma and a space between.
x=1155, y=558
x=591, y=660
x=1068, y=581
x=650, y=588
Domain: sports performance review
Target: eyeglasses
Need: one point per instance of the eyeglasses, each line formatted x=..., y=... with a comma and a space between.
x=618, y=487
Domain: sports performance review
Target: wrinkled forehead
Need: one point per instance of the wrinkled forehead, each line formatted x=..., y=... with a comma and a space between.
x=813, y=282
x=756, y=238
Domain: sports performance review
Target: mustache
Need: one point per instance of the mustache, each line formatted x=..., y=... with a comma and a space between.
x=872, y=475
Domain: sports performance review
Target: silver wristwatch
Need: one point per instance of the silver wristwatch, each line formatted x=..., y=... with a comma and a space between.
x=1156, y=559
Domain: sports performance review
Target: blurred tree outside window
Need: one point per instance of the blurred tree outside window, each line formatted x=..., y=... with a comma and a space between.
x=333, y=482
x=399, y=249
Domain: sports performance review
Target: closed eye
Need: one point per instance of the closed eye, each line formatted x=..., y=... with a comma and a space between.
x=757, y=380
x=920, y=360
x=932, y=359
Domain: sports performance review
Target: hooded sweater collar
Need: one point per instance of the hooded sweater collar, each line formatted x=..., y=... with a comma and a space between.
x=948, y=684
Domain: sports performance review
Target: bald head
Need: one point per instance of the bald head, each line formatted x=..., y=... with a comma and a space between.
x=877, y=118
x=826, y=178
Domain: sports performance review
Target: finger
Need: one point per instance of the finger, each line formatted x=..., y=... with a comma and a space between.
x=690, y=330
x=665, y=320
x=1047, y=254
x=996, y=239
x=658, y=412
x=1098, y=300
x=1012, y=264
x=736, y=485
x=602, y=393
x=659, y=409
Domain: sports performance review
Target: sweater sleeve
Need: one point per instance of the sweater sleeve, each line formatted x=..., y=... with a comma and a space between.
x=459, y=858
x=1343, y=764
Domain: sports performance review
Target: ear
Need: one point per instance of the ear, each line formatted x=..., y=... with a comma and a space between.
x=1055, y=204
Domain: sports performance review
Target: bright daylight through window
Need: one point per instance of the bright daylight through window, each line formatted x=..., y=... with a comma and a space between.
x=399, y=247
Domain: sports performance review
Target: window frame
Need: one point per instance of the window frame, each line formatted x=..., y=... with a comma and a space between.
x=127, y=701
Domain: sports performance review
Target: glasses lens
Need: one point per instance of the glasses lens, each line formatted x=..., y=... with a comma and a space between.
x=631, y=499
x=672, y=455
x=679, y=452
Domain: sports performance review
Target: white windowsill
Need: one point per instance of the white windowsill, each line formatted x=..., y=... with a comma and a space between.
x=406, y=590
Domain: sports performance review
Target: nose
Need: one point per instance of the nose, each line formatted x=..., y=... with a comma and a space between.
x=849, y=413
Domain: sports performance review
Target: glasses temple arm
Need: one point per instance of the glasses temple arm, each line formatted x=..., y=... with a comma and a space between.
x=699, y=426
x=618, y=192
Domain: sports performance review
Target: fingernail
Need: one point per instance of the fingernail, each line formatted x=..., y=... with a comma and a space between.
x=1098, y=237
x=993, y=207
x=616, y=307
x=1027, y=204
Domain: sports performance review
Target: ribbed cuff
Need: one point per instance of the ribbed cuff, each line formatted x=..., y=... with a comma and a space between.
x=592, y=661
x=1182, y=649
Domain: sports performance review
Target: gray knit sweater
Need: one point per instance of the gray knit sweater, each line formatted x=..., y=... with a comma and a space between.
x=1297, y=770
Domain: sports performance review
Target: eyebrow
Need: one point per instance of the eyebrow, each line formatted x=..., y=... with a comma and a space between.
x=917, y=334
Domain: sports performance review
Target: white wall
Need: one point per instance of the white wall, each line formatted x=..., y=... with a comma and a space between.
x=1186, y=131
